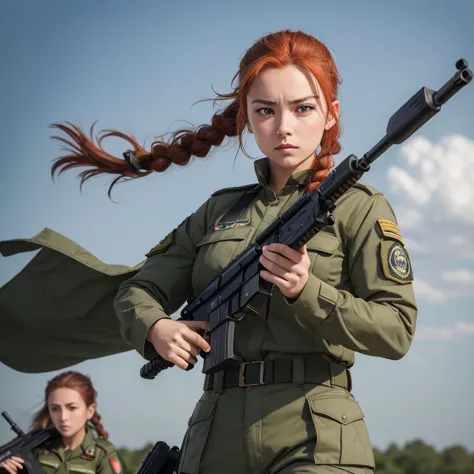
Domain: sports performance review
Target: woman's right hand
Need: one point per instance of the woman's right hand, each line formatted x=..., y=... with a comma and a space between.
x=12, y=464
x=178, y=341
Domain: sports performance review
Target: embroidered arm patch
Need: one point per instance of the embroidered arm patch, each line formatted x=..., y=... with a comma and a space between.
x=396, y=262
x=390, y=230
x=115, y=465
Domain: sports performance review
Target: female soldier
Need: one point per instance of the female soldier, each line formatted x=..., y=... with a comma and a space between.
x=81, y=445
x=288, y=408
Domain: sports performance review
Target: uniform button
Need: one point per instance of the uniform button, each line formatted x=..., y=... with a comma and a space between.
x=344, y=417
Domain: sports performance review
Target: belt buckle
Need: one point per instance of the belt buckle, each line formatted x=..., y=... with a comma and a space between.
x=242, y=368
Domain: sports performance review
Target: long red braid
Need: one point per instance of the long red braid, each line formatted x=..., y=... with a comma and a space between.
x=274, y=50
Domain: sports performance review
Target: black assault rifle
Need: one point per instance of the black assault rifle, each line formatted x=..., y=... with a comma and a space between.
x=239, y=290
x=24, y=445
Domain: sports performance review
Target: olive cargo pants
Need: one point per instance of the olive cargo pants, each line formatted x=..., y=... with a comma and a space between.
x=277, y=429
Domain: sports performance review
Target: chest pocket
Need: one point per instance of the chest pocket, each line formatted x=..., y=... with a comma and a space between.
x=215, y=250
x=49, y=462
x=77, y=468
x=326, y=257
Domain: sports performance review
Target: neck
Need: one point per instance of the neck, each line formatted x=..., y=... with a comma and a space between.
x=279, y=175
x=72, y=442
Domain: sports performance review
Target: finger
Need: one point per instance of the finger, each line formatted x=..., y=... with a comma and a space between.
x=15, y=458
x=178, y=361
x=286, y=251
x=276, y=280
x=278, y=271
x=197, y=340
x=196, y=325
x=185, y=355
x=279, y=260
x=16, y=464
x=191, y=348
x=10, y=466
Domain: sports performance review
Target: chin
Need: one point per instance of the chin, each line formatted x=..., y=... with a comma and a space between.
x=289, y=161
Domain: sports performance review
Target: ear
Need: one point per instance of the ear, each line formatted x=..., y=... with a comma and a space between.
x=249, y=128
x=331, y=120
x=91, y=411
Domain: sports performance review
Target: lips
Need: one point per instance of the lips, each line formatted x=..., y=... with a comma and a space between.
x=285, y=146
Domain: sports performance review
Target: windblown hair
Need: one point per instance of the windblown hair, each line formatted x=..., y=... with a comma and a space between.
x=75, y=381
x=275, y=50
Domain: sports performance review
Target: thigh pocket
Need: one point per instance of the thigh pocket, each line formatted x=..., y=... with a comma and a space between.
x=196, y=436
x=341, y=432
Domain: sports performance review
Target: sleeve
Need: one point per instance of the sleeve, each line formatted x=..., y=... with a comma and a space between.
x=110, y=463
x=378, y=318
x=163, y=283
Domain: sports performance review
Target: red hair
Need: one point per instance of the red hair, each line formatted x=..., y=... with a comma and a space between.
x=75, y=381
x=274, y=50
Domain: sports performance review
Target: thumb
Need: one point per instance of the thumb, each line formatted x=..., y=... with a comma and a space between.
x=303, y=250
x=196, y=325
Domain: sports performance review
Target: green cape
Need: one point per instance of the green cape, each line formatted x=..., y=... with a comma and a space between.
x=58, y=311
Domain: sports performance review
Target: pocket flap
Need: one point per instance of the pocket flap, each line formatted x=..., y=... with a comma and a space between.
x=203, y=411
x=342, y=410
x=322, y=242
x=233, y=233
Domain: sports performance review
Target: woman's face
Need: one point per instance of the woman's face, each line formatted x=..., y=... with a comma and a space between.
x=287, y=114
x=68, y=411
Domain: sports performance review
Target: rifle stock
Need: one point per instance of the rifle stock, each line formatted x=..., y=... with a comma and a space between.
x=238, y=290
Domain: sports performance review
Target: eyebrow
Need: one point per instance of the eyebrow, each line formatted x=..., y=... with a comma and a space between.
x=296, y=101
x=67, y=404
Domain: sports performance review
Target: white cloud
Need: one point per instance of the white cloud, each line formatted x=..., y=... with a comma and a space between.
x=409, y=218
x=440, y=175
x=446, y=333
x=462, y=276
x=457, y=240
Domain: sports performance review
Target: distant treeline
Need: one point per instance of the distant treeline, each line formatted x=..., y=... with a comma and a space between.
x=415, y=457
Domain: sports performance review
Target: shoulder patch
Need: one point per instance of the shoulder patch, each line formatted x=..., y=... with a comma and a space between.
x=396, y=263
x=115, y=465
x=236, y=188
x=390, y=229
x=161, y=246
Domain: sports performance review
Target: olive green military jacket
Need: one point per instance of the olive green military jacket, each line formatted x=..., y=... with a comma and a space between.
x=58, y=311
x=94, y=455
x=359, y=296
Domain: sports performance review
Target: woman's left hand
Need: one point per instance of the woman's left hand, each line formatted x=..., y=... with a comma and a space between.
x=286, y=268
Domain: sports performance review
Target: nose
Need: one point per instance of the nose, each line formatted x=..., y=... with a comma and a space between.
x=285, y=128
x=64, y=416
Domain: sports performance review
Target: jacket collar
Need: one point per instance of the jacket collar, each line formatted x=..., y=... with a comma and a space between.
x=298, y=180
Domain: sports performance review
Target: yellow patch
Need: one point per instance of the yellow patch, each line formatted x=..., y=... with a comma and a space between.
x=161, y=246
x=390, y=229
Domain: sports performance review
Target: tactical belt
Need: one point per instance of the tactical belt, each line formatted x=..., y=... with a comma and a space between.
x=298, y=370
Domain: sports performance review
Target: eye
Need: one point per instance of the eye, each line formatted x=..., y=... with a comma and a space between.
x=305, y=108
x=265, y=111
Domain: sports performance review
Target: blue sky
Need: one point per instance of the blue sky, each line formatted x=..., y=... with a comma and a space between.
x=139, y=67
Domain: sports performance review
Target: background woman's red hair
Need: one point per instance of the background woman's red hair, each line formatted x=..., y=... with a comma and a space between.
x=75, y=381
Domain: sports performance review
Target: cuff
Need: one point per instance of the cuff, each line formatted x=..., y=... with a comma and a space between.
x=316, y=302
x=143, y=323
